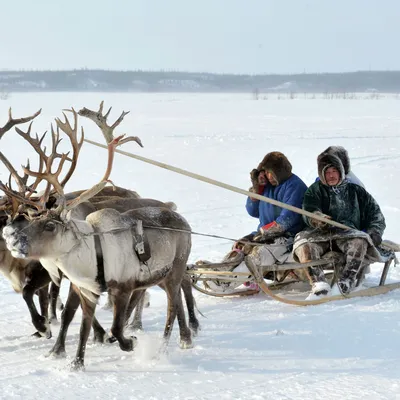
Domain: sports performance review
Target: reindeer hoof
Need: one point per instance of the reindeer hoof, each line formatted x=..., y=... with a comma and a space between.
x=77, y=365
x=43, y=327
x=111, y=339
x=186, y=344
x=47, y=334
x=56, y=354
x=129, y=344
x=100, y=337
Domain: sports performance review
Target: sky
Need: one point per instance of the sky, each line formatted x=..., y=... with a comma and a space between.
x=222, y=36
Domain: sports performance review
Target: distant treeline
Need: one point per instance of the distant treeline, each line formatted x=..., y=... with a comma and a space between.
x=164, y=81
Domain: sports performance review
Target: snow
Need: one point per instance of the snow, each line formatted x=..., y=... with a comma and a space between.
x=248, y=348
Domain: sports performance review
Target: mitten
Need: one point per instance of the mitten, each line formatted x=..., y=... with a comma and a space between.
x=268, y=232
x=319, y=224
x=258, y=182
x=376, y=238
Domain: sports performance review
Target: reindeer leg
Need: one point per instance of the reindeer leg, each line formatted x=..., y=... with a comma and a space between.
x=175, y=307
x=171, y=312
x=136, y=323
x=67, y=315
x=54, y=294
x=37, y=278
x=99, y=333
x=184, y=331
x=88, y=309
x=190, y=303
x=120, y=300
x=44, y=302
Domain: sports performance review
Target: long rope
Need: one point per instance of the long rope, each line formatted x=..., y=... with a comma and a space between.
x=223, y=185
x=214, y=182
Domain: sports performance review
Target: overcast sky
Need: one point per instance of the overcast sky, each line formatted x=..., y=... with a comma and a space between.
x=239, y=36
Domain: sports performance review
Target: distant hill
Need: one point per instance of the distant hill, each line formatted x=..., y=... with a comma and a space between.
x=147, y=81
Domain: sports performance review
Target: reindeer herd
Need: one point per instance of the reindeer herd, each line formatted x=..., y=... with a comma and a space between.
x=102, y=239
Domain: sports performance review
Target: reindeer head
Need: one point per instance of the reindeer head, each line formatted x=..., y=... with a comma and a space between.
x=35, y=238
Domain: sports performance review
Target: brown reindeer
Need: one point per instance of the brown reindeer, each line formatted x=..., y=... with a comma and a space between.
x=26, y=277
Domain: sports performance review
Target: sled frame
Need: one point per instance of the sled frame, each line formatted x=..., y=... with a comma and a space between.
x=208, y=272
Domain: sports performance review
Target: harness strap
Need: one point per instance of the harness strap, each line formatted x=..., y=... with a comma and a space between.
x=100, y=264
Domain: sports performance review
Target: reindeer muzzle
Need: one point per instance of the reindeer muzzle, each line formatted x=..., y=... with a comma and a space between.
x=16, y=241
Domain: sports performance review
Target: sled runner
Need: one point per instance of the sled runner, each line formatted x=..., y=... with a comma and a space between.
x=278, y=277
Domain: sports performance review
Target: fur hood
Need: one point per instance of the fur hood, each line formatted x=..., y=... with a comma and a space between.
x=340, y=152
x=278, y=165
x=327, y=160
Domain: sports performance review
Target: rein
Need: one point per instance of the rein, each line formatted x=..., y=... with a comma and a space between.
x=163, y=228
x=118, y=230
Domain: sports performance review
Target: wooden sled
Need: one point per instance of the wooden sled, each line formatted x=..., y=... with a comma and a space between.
x=218, y=271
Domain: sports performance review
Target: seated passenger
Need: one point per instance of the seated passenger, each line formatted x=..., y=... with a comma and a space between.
x=277, y=226
x=342, y=153
x=334, y=197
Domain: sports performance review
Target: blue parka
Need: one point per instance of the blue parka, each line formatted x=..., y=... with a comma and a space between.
x=291, y=191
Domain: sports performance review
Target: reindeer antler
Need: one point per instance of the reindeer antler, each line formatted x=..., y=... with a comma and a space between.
x=46, y=163
x=72, y=133
x=13, y=198
x=88, y=194
x=52, y=178
x=21, y=181
x=100, y=120
x=12, y=122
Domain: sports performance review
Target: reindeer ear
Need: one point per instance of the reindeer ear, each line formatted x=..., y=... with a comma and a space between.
x=51, y=202
x=65, y=215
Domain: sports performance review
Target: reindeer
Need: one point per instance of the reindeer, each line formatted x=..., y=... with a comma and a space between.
x=26, y=277
x=70, y=245
x=30, y=277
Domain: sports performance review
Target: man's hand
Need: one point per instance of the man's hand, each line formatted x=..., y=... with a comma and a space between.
x=376, y=238
x=319, y=224
x=258, y=181
x=268, y=232
x=243, y=241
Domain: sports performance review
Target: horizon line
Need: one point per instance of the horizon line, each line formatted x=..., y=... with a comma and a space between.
x=2, y=70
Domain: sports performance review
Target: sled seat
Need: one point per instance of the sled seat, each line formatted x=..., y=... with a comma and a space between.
x=220, y=274
x=284, y=274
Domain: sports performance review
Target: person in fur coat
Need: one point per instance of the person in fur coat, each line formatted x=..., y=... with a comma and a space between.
x=274, y=179
x=335, y=197
x=342, y=153
x=272, y=241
